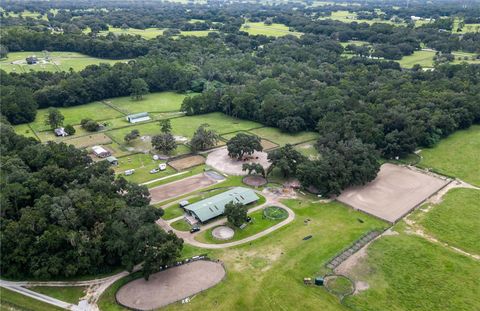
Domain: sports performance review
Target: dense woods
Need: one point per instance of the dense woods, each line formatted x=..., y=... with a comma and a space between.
x=63, y=215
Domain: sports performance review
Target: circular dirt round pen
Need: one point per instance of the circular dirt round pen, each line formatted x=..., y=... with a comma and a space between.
x=275, y=212
x=223, y=233
x=254, y=180
x=339, y=285
x=171, y=285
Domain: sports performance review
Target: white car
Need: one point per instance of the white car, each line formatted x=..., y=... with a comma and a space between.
x=155, y=170
x=129, y=172
x=162, y=166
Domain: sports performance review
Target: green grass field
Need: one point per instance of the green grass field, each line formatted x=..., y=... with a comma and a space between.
x=70, y=294
x=423, y=58
x=261, y=274
x=196, y=33
x=181, y=225
x=350, y=17
x=456, y=220
x=153, y=102
x=147, y=33
x=257, y=225
x=456, y=155
x=280, y=138
x=461, y=57
x=273, y=30
x=407, y=272
x=466, y=28
x=308, y=149
x=186, y=126
x=59, y=61
x=73, y=115
x=142, y=163
x=12, y=301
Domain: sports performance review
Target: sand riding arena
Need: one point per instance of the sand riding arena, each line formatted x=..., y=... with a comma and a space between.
x=187, y=185
x=394, y=192
x=170, y=285
x=221, y=162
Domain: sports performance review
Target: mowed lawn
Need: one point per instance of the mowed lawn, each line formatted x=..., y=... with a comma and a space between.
x=423, y=58
x=73, y=115
x=411, y=273
x=257, y=225
x=456, y=220
x=267, y=274
x=273, y=30
x=186, y=126
x=59, y=61
x=350, y=17
x=456, y=155
x=153, y=102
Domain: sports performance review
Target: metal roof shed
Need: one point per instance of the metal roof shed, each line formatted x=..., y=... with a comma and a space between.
x=215, y=206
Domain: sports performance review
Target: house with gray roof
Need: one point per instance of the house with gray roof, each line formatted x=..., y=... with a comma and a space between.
x=215, y=206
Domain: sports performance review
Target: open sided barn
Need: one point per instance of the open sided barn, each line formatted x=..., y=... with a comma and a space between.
x=393, y=193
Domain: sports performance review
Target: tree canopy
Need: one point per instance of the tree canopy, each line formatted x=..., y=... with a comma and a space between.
x=243, y=144
x=64, y=215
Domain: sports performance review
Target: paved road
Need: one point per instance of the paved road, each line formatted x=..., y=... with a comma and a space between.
x=189, y=238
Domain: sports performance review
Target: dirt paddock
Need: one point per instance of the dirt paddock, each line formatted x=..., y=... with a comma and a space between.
x=221, y=162
x=183, y=186
x=393, y=193
x=187, y=162
x=171, y=285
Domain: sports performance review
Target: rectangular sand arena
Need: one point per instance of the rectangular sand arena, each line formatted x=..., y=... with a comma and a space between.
x=183, y=186
x=393, y=193
x=187, y=162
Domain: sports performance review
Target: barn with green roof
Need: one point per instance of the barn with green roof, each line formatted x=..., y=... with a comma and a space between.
x=215, y=206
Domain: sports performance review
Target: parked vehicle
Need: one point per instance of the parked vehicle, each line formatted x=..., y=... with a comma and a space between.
x=155, y=170
x=129, y=172
x=162, y=166
x=194, y=229
x=183, y=203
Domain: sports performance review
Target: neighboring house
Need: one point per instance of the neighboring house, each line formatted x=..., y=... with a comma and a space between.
x=138, y=117
x=31, y=60
x=101, y=152
x=60, y=132
x=215, y=206
x=112, y=160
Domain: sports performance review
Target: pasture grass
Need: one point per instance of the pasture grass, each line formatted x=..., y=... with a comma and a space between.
x=350, y=17
x=423, y=58
x=10, y=300
x=466, y=28
x=261, y=275
x=196, y=33
x=456, y=155
x=281, y=138
x=411, y=273
x=59, y=61
x=273, y=30
x=153, y=102
x=147, y=33
x=456, y=220
x=71, y=294
x=73, y=115
x=186, y=126
x=308, y=149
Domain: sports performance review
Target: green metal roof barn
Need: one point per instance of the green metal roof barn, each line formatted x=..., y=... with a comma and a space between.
x=215, y=206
